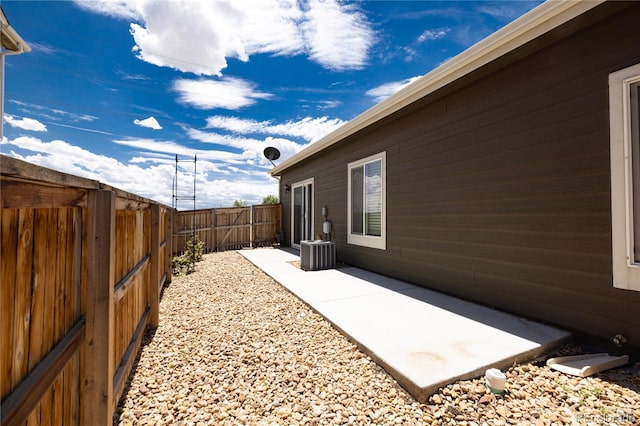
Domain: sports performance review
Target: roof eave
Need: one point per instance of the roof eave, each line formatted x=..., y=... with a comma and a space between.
x=11, y=40
x=542, y=19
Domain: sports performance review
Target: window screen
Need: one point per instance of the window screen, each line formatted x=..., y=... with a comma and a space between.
x=366, y=199
x=357, y=200
x=373, y=198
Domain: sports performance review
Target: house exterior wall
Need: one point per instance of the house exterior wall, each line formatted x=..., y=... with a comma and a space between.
x=498, y=187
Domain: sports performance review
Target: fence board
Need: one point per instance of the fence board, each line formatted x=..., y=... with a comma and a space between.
x=128, y=359
x=71, y=412
x=60, y=274
x=72, y=372
x=24, y=194
x=9, y=225
x=49, y=282
x=22, y=305
x=38, y=287
x=49, y=287
x=56, y=402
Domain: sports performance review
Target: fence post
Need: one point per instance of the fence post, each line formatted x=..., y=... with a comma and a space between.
x=279, y=224
x=252, y=231
x=168, y=247
x=214, y=226
x=175, y=237
x=154, y=283
x=97, y=407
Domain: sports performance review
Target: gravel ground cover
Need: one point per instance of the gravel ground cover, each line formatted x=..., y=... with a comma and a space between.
x=235, y=348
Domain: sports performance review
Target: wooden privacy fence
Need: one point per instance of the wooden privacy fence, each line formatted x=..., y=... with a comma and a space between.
x=83, y=265
x=229, y=228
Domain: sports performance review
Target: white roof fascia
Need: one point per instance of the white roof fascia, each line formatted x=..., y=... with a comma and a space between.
x=542, y=19
x=8, y=31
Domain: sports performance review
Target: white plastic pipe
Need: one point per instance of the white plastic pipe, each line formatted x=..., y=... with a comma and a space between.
x=2, y=55
x=496, y=380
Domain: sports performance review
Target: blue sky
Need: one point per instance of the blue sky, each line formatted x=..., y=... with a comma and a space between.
x=113, y=91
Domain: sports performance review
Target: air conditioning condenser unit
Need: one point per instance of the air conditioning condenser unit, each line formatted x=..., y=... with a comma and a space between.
x=316, y=255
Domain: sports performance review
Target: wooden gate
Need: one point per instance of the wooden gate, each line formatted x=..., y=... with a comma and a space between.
x=229, y=228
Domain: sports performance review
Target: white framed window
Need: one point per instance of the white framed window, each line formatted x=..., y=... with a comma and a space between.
x=366, y=206
x=624, y=106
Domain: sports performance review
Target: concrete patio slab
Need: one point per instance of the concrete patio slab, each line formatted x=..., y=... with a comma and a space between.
x=423, y=338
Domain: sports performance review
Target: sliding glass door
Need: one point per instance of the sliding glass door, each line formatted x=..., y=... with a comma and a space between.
x=302, y=212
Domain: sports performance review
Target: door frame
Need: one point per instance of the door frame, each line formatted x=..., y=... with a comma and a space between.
x=303, y=183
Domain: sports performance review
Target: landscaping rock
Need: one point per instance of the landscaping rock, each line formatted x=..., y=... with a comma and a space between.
x=236, y=348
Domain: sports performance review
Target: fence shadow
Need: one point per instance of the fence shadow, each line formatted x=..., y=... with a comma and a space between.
x=147, y=338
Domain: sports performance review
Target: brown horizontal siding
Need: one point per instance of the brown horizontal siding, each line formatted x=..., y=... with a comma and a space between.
x=462, y=251
x=564, y=130
x=462, y=183
x=530, y=239
x=498, y=187
x=551, y=301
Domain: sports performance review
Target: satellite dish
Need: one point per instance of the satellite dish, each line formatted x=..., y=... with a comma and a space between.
x=271, y=153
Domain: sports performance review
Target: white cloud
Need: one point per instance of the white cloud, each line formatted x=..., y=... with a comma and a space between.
x=73, y=116
x=434, y=34
x=62, y=156
x=199, y=35
x=149, y=175
x=153, y=157
x=236, y=125
x=308, y=128
x=117, y=9
x=53, y=114
x=508, y=11
x=271, y=27
x=43, y=48
x=252, y=149
x=410, y=54
x=383, y=91
x=132, y=76
x=170, y=147
x=150, y=122
x=227, y=92
x=25, y=123
x=223, y=191
x=329, y=104
x=338, y=35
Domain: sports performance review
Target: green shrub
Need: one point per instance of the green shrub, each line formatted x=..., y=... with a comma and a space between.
x=193, y=254
x=195, y=249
